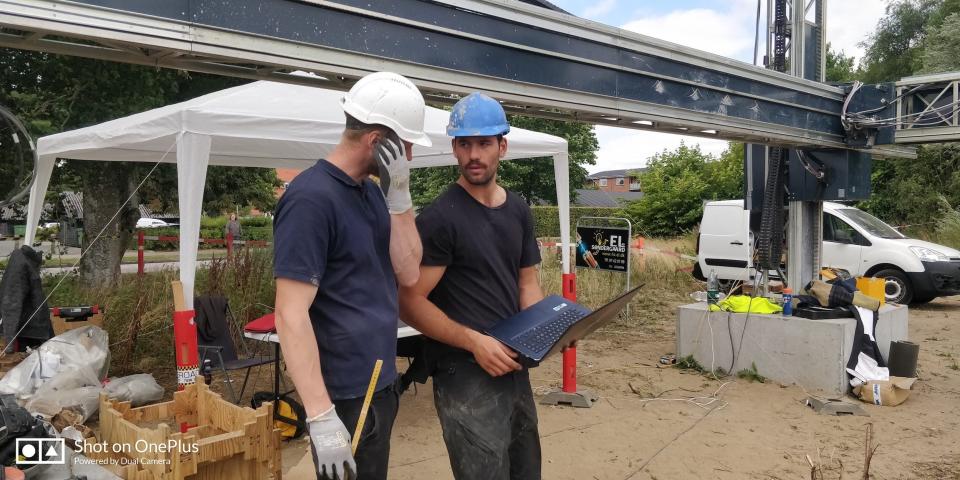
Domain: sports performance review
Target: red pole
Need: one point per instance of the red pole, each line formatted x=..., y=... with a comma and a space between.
x=229, y=244
x=140, y=252
x=569, y=281
x=185, y=339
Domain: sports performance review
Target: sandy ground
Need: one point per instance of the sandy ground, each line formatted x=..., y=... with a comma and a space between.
x=751, y=430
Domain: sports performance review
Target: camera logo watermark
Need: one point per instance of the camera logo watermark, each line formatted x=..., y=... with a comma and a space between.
x=41, y=451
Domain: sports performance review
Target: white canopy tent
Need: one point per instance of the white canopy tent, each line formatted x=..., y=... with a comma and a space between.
x=261, y=124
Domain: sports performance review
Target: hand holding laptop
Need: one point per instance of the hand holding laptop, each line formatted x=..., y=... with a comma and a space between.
x=494, y=357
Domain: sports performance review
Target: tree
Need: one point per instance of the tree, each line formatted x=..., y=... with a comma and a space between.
x=942, y=49
x=226, y=188
x=54, y=93
x=532, y=179
x=840, y=68
x=912, y=192
x=895, y=50
x=677, y=183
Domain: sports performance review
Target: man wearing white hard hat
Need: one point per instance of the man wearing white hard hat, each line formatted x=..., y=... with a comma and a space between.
x=479, y=268
x=342, y=244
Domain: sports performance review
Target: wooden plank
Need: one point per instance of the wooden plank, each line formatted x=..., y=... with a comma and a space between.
x=61, y=324
x=222, y=446
x=179, y=304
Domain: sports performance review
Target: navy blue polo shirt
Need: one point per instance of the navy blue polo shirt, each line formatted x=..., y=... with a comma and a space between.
x=334, y=233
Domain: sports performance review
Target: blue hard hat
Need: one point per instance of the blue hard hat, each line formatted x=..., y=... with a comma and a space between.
x=477, y=115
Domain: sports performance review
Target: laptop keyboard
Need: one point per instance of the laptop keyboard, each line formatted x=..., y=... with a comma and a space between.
x=543, y=336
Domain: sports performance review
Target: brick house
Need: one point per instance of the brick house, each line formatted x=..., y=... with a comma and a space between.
x=286, y=176
x=627, y=180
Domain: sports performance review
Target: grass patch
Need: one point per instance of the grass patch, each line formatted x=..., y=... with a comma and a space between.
x=751, y=374
x=690, y=363
x=138, y=311
x=946, y=231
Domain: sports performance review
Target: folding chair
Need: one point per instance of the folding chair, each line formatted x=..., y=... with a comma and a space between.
x=215, y=323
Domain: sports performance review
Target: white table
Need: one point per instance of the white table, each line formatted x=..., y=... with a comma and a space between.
x=403, y=331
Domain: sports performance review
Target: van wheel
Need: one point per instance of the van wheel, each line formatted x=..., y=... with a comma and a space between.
x=896, y=286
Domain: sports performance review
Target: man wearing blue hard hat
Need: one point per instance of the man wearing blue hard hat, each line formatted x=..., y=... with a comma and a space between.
x=479, y=267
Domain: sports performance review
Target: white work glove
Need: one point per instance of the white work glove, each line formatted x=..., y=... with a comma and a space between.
x=394, y=167
x=330, y=444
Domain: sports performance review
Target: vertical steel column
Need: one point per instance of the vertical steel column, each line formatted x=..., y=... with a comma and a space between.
x=805, y=220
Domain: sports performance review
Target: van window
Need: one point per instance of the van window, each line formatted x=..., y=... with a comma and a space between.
x=723, y=220
x=838, y=231
x=871, y=224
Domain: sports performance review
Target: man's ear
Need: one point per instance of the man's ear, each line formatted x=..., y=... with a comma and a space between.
x=372, y=138
x=503, y=147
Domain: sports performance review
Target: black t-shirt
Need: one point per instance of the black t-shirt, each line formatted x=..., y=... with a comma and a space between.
x=483, y=249
x=333, y=232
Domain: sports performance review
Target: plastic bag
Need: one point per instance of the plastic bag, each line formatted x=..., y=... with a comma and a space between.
x=49, y=402
x=85, y=348
x=139, y=389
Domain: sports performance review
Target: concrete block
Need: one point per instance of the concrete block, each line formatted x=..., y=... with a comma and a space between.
x=789, y=350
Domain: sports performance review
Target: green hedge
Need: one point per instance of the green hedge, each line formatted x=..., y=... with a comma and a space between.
x=547, y=219
x=256, y=222
x=213, y=222
x=208, y=229
x=221, y=222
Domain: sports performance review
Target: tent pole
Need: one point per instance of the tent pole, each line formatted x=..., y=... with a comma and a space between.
x=38, y=191
x=193, y=156
x=568, y=394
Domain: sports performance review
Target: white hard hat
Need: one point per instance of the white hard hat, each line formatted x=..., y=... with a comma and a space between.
x=389, y=99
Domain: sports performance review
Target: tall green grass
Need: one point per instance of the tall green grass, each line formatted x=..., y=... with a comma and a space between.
x=945, y=231
x=138, y=311
x=948, y=230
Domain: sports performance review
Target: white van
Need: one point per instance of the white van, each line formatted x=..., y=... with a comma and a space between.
x=915, y=271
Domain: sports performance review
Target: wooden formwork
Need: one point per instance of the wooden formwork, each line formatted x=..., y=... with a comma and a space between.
x=222, y=440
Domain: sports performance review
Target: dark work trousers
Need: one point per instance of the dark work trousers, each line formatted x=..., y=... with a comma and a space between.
x=489, y=423
x=373, y=451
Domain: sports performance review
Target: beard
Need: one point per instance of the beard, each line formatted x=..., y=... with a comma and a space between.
x=480, y=180
x=373, y=167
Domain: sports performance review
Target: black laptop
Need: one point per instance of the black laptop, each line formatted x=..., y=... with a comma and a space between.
x=553, y=323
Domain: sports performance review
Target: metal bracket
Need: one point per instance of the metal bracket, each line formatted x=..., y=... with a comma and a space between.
x=579, y=399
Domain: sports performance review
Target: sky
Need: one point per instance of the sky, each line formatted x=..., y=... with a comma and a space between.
x=723, y=27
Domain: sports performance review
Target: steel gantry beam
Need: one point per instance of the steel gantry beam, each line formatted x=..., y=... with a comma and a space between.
x=539, y=62
x=928, y=109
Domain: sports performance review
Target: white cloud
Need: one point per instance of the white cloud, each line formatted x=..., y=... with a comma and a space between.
x=626, y=148
x=600, y=9
x=849, y=23
x=727, y=32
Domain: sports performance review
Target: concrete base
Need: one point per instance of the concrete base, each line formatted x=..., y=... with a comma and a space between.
x=789, y=350
x=580, y=398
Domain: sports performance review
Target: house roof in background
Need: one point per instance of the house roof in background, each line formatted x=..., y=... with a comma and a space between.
x=600, y=198
x=614, y=173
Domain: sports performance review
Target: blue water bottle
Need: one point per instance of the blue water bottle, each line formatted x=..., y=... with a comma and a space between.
x=787, y=302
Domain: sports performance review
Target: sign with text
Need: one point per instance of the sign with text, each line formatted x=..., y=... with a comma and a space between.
x=603, y=248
